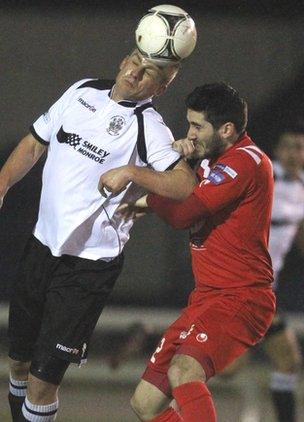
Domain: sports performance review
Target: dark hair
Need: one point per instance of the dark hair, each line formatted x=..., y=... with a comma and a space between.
x=220, y=104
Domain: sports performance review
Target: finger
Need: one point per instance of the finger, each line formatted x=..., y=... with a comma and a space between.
x=140, y=214
x=116, y=192
x=191, y=146
x=188, y=147
x=177, y=147
x=123, y=207
x=125, y=210
x=105, y=191
x=184, y=147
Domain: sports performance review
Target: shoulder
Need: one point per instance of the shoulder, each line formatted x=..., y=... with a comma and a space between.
x=85, y=85
x=74, y=87
x=155, y=128
x=99, y=84
x=246, y=162
x=154, y=121
x=250, y=154
x=250, y=158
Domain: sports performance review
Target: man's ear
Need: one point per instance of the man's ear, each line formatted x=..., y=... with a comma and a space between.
x=227, y=130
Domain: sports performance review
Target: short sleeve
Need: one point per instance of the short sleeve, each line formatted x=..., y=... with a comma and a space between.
x=42, y=128
x=159, y=139
x=227, y=181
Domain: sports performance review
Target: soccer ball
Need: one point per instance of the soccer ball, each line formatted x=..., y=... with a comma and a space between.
x=166, y=33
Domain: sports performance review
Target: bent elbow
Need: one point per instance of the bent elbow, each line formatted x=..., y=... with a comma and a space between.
x=187, y=190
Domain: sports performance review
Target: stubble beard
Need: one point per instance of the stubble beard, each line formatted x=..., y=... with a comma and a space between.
x=214, y=147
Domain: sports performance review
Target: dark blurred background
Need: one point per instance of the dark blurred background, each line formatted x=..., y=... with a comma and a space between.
x=256, y=46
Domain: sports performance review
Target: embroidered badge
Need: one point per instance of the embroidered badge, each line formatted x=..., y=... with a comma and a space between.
x=216, y=177
x=115, y=125
x=232, y=173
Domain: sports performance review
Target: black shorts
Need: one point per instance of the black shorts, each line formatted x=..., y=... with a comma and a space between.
x=57, y=302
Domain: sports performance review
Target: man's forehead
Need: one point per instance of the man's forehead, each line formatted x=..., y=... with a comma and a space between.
x=145, y=61
x=196, y=116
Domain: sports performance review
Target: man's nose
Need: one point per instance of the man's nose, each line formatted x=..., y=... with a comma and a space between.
x=138, y=72
x=191, y=135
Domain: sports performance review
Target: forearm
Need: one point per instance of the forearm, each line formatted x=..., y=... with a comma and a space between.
x=176, y=184
x=179, y=214
x=21, y=160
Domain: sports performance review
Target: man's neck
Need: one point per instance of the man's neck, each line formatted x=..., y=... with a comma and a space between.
x=114, y=96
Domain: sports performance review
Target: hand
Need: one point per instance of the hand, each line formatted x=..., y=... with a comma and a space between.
x=184, y=147
x=114, y=181
x=136, y=210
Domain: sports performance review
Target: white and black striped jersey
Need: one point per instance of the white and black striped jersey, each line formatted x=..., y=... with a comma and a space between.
x=287, y=213
x=87, y=133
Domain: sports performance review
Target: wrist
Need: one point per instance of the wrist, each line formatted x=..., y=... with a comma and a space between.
x=130, y=173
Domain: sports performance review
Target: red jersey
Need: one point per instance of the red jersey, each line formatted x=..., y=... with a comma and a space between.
x=229, y=213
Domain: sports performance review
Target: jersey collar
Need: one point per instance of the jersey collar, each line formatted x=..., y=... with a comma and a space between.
x=243, y=139
x=130, y=104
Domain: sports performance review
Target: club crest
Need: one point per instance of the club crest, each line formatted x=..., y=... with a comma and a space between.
x=115, y=125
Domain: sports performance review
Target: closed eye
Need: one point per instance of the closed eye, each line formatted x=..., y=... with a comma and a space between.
x=196, y=126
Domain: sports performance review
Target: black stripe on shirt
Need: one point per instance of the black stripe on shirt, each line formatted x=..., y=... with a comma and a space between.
x=174, y=164
x=101, y=84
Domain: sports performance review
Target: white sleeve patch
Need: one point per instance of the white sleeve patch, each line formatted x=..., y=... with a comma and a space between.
x=232, y=173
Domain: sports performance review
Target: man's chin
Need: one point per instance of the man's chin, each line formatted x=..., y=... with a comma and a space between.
x=199, y=154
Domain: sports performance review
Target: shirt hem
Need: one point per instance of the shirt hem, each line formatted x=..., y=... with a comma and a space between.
x=58, y=252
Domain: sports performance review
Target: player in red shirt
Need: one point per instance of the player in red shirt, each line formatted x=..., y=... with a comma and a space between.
x=232, y=304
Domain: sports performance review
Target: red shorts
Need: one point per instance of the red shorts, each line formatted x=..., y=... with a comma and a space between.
x=215, y=328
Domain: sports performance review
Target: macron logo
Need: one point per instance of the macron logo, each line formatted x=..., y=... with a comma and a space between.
x=67, y=349
x=87, y=105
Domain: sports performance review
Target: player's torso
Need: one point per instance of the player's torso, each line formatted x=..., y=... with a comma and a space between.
x=94, y=132
x=90, y=135
x=230, y=247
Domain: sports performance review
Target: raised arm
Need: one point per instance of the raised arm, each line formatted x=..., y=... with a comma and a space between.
x=18, y=164
x=177, y=183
